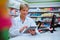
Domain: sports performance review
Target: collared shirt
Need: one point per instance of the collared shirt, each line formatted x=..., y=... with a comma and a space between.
x=17, y=24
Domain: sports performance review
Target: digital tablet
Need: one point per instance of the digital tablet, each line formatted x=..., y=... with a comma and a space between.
x=29, y=28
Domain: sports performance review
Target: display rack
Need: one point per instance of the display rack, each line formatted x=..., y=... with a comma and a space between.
x=44, y=14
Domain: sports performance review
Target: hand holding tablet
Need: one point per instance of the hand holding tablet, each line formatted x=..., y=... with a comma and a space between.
x=30, y=30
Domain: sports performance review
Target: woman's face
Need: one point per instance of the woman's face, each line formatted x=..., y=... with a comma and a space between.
x=24, y=11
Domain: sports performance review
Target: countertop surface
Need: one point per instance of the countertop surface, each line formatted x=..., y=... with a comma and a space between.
x=40, y=36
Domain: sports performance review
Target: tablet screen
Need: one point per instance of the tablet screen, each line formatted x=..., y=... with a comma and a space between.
x=30, y=28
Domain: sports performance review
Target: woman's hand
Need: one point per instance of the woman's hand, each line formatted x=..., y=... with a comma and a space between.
x=23, y=28
x=32, y=32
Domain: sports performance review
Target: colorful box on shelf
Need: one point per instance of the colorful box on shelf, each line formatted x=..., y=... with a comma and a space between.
x=35, y=14
x=46, y=15
x=50, y=9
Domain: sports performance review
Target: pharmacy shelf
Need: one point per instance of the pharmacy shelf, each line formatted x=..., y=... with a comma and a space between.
x=14, y=15
x=46, y=11
x=47, y=21
x=35, y=16
x=41, y=17
x=45, y=5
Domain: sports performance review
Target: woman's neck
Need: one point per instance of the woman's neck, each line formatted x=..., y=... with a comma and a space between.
x=22, y=18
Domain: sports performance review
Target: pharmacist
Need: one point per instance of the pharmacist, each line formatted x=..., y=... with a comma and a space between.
x=22, y=22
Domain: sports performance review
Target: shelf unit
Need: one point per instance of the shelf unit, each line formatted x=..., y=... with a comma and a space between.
x=38, y=11
x=41, y=17
x=44, y=8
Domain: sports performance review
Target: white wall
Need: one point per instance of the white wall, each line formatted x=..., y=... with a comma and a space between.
x=15, y=3
x=39, y=0
x=50, y=4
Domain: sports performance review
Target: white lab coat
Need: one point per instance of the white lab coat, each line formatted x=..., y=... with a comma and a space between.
x=17, y=24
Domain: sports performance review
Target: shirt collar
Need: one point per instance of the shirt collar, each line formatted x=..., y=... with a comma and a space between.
x=19, y=19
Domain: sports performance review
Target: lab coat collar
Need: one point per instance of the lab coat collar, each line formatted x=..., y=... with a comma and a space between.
x=19, y=19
